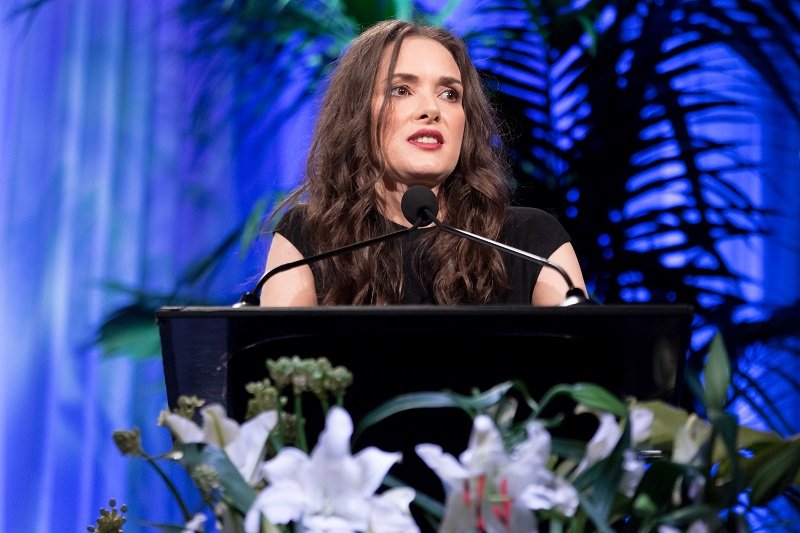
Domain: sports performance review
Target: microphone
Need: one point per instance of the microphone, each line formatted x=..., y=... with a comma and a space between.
x=414, y=203
x=419, y=203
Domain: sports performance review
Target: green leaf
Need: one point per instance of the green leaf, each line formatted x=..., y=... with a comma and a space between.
x=568, y=448
x=598, y=398
x=686, y=515
x=717, y=375
x=667, y=420
x=594, y=513
x=130, y=331
x=655, y=489
x=772, y=471
x=252, y=225
x=432, y=400
x=601, y=481
x=236, y=491
x=728, y=481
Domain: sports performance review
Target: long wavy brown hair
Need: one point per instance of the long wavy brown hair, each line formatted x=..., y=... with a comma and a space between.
x=341, y=203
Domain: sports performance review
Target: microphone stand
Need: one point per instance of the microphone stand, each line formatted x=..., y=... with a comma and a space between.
x=252, y=298
x=574, y=294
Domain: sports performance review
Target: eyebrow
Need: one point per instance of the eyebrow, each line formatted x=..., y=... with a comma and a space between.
x=443, y=80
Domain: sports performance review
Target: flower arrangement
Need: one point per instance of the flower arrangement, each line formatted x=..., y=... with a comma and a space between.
x=648, y=466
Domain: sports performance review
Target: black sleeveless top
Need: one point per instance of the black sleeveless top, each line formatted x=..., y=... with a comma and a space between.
x=526, y=228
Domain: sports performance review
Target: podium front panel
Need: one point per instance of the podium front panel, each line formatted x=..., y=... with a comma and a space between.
x=631, y=349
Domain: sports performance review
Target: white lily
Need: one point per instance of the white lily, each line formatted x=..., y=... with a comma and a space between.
x=606, y=438
x=332, y=490
x=602, y=443
x=244, y=445
x=687, y=449
x=689, y=439
x=493, y=491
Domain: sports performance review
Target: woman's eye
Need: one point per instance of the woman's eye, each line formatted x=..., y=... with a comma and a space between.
x=451, y=95
x=400, y=90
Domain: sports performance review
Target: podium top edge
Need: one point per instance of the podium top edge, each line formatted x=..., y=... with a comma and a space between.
x=432, y=310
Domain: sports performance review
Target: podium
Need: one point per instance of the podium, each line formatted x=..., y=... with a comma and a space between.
x=631, y=349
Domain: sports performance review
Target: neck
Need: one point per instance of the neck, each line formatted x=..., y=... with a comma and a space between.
x=391, y=199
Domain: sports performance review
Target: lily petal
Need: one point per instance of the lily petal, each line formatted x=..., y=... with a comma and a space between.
x=641, y=424
x=445, y=465
x=247, y=449
x=485, y=450
x=219, y=430
x=183, y=429
x=280, y=504
x=374, y=464
x=389, y=512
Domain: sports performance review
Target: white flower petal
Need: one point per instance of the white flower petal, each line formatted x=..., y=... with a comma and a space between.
x=331, y=490
x=247, y=450
x=398, y=497
x=485, y=450
x=689, y=439
x=389, y=512
x=183, y=429
x=374, y=464
x=334, y=441
x=217, y=427
x=632, y=473
x=280, y=504
x=559, y=495
x=289, y=464
x=445, y=465
x=328, y=524
x=602, y=442
x=641, y=424
x=458, y=516
x=528, y=461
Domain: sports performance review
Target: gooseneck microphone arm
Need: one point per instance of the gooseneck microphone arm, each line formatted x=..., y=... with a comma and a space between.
x=252, y=298
x=574, y=294
x=508, y=249
x=419, y=202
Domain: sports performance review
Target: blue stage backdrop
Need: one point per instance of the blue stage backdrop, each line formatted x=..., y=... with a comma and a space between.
x=126, y=158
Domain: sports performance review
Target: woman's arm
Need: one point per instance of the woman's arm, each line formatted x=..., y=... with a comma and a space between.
x=292, y=288
x=551, y=288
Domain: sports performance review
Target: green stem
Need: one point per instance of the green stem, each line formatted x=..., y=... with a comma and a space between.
x=301, y=422
x=554, y=392
x=172, y=488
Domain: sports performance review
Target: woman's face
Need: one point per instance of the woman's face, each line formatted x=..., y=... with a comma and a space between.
x=424, y=123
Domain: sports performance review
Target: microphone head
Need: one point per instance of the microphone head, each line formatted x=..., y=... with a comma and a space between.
x=419, y=204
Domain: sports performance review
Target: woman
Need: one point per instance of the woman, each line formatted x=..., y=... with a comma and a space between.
x=406, y=107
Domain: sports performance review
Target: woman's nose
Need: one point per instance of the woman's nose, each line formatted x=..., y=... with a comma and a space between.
x=428, y=110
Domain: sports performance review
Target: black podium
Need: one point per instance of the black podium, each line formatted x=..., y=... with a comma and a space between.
x=631, y=349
